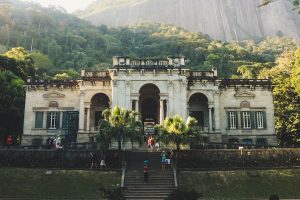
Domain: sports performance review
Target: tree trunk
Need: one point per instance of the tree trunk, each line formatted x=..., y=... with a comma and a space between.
x=177, y=145
x=119, y=140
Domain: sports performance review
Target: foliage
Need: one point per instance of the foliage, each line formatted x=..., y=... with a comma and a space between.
x=118, y=123
x=12, y=97
x=295, y=3
x=286, y=97
x=49, y=43
x=113, y=193
x=174, y=129
x=229, y=159
x=41, y=62
x=180, y=194
x=59, y=184
x=242, y=184
x=69, y=42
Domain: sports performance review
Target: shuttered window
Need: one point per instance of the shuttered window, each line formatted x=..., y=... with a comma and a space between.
x=39, y=118
x=246, y=120
x=53, y=120
x=232, y=117
x=260, y=119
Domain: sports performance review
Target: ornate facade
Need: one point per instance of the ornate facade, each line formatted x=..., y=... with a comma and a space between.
x=228, y=110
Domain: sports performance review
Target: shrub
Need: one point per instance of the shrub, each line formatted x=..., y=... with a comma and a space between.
x=180, y=194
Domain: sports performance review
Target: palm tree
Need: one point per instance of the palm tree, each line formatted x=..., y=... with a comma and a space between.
x=174, y=129
x=119, y=124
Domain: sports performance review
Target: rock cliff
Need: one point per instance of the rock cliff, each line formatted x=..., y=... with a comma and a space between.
x=220, y=19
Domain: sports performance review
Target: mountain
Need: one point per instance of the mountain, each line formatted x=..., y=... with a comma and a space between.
x=221, y=19
x=58, y=41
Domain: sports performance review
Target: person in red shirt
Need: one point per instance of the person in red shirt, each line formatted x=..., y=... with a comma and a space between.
x=146, y=171
x=9, y=141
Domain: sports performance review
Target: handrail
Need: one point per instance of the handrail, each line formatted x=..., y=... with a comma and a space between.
x=175, y=177
x=123, y=177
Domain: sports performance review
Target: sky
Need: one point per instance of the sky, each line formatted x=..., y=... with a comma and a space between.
x=69, y=5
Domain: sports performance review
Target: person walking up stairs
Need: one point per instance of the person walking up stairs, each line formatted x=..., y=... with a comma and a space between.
x=160, y=183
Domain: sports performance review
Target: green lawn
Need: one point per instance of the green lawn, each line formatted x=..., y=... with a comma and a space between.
x=257, y=184
x=61, y=184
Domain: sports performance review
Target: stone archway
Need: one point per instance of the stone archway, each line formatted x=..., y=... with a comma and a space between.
x=198, y=108
x=99, y=102
x=149, y=105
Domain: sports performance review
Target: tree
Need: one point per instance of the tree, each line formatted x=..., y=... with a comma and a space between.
x=295, y=3
x=174, y=129
x=286, y=97
x=41, y=63
x=12, y=98
x=22, y=63
x=118, y=123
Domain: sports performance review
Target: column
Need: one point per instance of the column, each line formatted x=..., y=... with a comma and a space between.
x=114, y=93
x=136, y=109
x=167, y=108
x=127, y=95
x=81, y=112
x=88, y=119
x=170, y=109
x=217, y=112
x=210, y=118
x=161, y=111
x=183, y=98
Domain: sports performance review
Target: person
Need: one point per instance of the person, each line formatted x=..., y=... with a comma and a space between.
x=102, y=163
x=93, y=160
x=58, y=142
x=9, y=141
x=146, y=173
x=146, y=161
x=157, y=146
x=152, y=142
x=163, y=160
x=149, y=142
x=168, y=160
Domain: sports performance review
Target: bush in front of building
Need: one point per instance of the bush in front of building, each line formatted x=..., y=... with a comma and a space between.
x=57, y=158
x=254, y=158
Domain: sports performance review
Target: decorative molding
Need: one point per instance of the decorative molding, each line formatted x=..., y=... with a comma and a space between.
x=245, y=104
x=53, y=104
x=244, y=93
x=170, y=84
x=114, y=82
x=40, y=108
x=128, y=83
x=54, y=95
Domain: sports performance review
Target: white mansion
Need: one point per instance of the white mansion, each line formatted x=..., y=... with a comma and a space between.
x=227, y=110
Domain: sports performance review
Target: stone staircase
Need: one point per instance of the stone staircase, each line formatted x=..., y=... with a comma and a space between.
x=160, y=185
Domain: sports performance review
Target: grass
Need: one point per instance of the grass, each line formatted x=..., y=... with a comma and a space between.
x=61, y=184
x=258, y=184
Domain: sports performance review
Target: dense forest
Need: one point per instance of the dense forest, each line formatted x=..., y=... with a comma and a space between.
x=51, y=44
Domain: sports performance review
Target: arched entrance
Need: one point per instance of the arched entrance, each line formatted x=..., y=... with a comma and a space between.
x=149, y=107
x=198, y=107
x=99, y=102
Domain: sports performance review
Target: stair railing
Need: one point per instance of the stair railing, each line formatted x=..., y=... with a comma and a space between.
x=175, y=177
x=123, y=176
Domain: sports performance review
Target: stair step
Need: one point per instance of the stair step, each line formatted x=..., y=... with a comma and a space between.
x=145, y=189
x=147, y=196
x=160, y=185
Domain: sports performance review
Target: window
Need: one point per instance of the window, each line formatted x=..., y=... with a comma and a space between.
x=247, y=141
x=39, y=118
x=232, y=116
x=260, y=119
x=53, y=120
x=261, y=142
x=246, y=120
